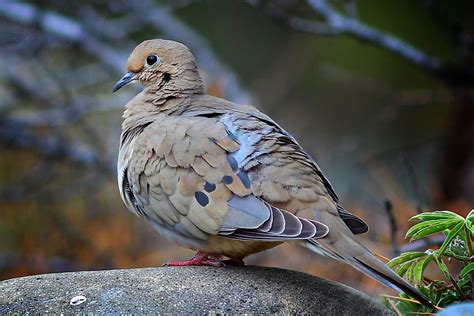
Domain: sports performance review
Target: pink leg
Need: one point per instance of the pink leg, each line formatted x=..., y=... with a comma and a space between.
x=199, y=259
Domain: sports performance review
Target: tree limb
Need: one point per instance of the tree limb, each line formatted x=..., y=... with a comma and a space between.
x=336, y=23
x=347, y=25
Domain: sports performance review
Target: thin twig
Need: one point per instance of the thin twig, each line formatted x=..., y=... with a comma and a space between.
x=382, y=257
x=395, y=308
x=398, y=298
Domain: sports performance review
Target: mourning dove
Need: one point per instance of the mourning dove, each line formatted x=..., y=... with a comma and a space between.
x=225, y=179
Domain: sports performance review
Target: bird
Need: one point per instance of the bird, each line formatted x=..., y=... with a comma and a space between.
x=225, y=179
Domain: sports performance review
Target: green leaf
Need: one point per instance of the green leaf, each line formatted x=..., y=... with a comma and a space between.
x=442, y=266
x=420, y=226
x=447, y=299
x=437, y=215
x=465, y=284
x=431, y=291
x=409, y=273
x=470, y=226
x=415, y=228
x=435, y=227
x=466, y=270
x=402, y=269
x=407, y=256
x=470, y=216
x=453, y=233
x=419, y=267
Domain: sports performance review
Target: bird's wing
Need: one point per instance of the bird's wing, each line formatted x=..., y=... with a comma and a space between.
x=355, y=223
x=281, y=172
x=182, y=173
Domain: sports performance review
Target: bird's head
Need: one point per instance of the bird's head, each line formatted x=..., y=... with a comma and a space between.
x=163, y=66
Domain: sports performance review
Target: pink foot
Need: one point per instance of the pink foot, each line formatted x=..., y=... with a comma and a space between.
x=199, y=259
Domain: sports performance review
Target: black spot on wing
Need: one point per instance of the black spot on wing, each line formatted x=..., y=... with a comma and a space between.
x=209, y=187
x=227, y=180
x=201, y=198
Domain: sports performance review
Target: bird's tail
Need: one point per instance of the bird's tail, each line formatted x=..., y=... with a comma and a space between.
x=343, y=246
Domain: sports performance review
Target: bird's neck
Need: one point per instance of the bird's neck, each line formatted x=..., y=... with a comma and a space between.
x=185, y=84
x=146, y=108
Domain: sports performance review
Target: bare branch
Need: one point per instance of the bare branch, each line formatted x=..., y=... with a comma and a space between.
x=335, y=23
x=65, y=28
x=352, y=26
x=304, y=25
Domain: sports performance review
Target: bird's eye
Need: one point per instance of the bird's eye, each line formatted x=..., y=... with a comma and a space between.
x=152, y=59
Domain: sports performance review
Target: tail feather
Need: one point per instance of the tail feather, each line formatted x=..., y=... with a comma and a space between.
x=348, y=250
x=391, y=279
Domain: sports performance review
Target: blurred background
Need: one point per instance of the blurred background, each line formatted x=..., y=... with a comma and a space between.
x=379, y=92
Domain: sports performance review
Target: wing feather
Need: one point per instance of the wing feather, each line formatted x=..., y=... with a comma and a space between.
x=250, y=218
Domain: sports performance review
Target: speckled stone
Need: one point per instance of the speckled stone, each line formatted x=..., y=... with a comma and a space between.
x=184, y=290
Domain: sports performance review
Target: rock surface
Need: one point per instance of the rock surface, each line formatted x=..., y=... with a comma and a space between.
x=184, y=290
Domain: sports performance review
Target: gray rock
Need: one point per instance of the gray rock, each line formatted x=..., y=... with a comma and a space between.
x=184, y=290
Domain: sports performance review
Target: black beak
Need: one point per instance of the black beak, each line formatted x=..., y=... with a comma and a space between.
x=129, y=77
